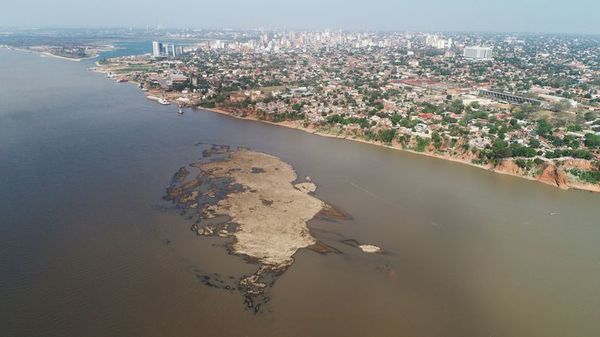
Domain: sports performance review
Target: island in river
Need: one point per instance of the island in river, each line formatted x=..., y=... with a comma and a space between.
x=254, y=199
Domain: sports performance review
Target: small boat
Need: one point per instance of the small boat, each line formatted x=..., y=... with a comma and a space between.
x=180, y=109
x=163, y=101
x=122, y=80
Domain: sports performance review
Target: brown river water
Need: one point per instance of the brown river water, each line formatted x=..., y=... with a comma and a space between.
x=89, y=248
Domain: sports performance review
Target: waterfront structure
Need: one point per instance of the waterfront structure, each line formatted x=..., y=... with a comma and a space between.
x=478, y=53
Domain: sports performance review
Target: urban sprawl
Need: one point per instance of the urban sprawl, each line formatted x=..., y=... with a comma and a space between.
x=527, y=105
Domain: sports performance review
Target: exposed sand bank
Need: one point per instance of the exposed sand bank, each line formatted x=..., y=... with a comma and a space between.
x=251, y=198
x=270, y=212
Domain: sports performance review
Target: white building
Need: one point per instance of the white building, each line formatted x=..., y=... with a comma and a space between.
x=156, y=49
x=437, y=42
x=478, y=53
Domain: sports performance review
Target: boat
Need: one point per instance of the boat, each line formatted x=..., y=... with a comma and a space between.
x=122, y=80
x=180, y=109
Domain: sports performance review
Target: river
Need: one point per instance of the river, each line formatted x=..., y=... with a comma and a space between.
x=89, y=248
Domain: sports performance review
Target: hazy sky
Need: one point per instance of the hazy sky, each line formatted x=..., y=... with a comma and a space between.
x=566, y=16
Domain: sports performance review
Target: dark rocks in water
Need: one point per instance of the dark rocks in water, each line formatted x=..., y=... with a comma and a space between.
x=253, y=287
x=331, y=213
x=324, y=249
x=351, y=242
x=216, y=150
x=214, y=281
x=181, y=174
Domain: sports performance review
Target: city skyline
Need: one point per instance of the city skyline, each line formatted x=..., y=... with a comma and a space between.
x=536, y=16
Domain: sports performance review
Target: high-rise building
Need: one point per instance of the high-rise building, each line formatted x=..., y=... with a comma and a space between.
x=437, y=42
x=157, y=49
x=478, y=53
x=170, y=50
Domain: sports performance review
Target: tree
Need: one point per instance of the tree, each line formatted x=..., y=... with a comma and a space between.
x=386, y=136
x=519, y=115
x=522, y=151
x=220, y=98
x=395, y=118
x=582, y=154
x=456, y=106
x=544, y=128
x=561, y=106
x=500, y=149
x=534, y=143
x=422, y=143
x=589, y=116
x=592, y=140
x=437, y=140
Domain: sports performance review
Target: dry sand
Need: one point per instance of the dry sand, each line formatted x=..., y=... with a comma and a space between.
x=271, y=212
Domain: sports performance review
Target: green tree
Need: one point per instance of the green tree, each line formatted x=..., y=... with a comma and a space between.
x=456, y=106
x=422, y=143
x=500, y=149
x=386, y=136
x=534, y=143
x=544, y=128
x=437, y=140
x=592, y=140
x=395, y=118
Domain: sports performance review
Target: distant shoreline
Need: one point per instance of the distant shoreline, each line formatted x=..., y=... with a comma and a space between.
x=49, y=54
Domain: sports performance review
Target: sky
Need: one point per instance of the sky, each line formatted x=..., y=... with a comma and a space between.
x=550, y=16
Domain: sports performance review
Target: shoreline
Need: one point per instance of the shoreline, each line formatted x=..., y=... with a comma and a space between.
x=580, y=187
x=50, y=55
x=549, y=174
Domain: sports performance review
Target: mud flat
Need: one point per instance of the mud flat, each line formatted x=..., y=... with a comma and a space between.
x=250, y=197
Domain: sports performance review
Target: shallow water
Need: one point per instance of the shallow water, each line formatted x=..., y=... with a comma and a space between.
x=88, y=248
